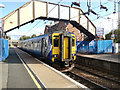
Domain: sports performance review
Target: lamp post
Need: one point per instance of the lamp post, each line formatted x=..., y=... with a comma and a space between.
x=1, y=6
x=112, y=36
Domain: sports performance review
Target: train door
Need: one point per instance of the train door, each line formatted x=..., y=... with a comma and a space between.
x=43, y=47
x=66, y=47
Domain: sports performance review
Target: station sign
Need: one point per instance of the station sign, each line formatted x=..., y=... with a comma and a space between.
x=100, y=31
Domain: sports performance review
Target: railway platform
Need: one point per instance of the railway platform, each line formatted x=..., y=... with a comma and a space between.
x=21, y=70
x=105, y=62
x=106, y=57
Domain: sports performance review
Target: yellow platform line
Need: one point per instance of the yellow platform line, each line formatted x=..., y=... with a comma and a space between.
x=30, y=73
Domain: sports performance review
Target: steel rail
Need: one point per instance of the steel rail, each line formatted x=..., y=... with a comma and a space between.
x=110, y=79
x=92, y=84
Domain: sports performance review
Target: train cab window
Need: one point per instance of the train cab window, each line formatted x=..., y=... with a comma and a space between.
x=73, y=42
x=55, y=42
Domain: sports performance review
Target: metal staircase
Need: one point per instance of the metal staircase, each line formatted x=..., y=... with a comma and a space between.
x=89, y=35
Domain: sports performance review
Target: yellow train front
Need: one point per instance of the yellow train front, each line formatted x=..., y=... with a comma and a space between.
x=64, y=47
x=58, y=47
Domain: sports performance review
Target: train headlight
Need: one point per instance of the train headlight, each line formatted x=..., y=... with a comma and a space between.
x=73, y=54
x=56, y=55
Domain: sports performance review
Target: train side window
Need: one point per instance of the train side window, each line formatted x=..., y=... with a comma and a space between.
x=49, y=39
x=73, y=42
x=37, y=43
x=45, y=42
x=55, y=42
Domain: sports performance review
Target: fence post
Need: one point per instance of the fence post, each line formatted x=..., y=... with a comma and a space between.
x=113, y=47
x=0, y=49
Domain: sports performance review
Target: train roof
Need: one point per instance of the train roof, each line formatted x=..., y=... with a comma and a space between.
x=41, y=36
x=47, y=34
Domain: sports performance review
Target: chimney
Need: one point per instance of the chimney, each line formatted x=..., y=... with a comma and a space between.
x=50, y=23
x=56, y=22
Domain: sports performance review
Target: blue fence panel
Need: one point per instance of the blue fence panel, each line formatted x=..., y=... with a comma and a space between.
x=103, y=46
x=100, y=46
x=4, y=49
x=92, y=47
x=82, y=46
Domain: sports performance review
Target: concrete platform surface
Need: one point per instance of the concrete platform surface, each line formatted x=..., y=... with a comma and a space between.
x=47, y=76
x=106, y=57
x=14, y=74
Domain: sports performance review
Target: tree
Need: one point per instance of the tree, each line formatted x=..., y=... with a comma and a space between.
x=117, y=36
x=108, y=36
x=9, y=38
x=119, y=24
x=34, y=35
x=24, y=37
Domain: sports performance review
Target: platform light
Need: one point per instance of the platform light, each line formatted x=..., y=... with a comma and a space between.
x=103, y=7
x=93, y=12
x=75, y=3
x=86, y=13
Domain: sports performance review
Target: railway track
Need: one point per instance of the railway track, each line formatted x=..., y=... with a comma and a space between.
x=102, y=75
x=90, y=84
x=94, y=78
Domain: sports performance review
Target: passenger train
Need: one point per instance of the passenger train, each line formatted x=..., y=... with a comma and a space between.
x=57, y=46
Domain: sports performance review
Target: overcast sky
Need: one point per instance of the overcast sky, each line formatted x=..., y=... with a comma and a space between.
x=103, y=22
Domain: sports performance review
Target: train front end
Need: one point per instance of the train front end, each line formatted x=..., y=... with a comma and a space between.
x=64, y=47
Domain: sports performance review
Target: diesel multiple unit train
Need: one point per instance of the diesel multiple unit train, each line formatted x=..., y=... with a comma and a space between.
x=57, y=46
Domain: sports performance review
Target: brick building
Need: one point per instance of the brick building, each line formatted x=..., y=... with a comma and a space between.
x=64, y=26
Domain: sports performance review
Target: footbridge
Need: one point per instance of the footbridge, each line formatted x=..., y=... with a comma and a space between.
x=36, y=9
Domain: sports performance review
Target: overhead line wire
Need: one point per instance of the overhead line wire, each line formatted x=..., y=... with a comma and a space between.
x=104, y=16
